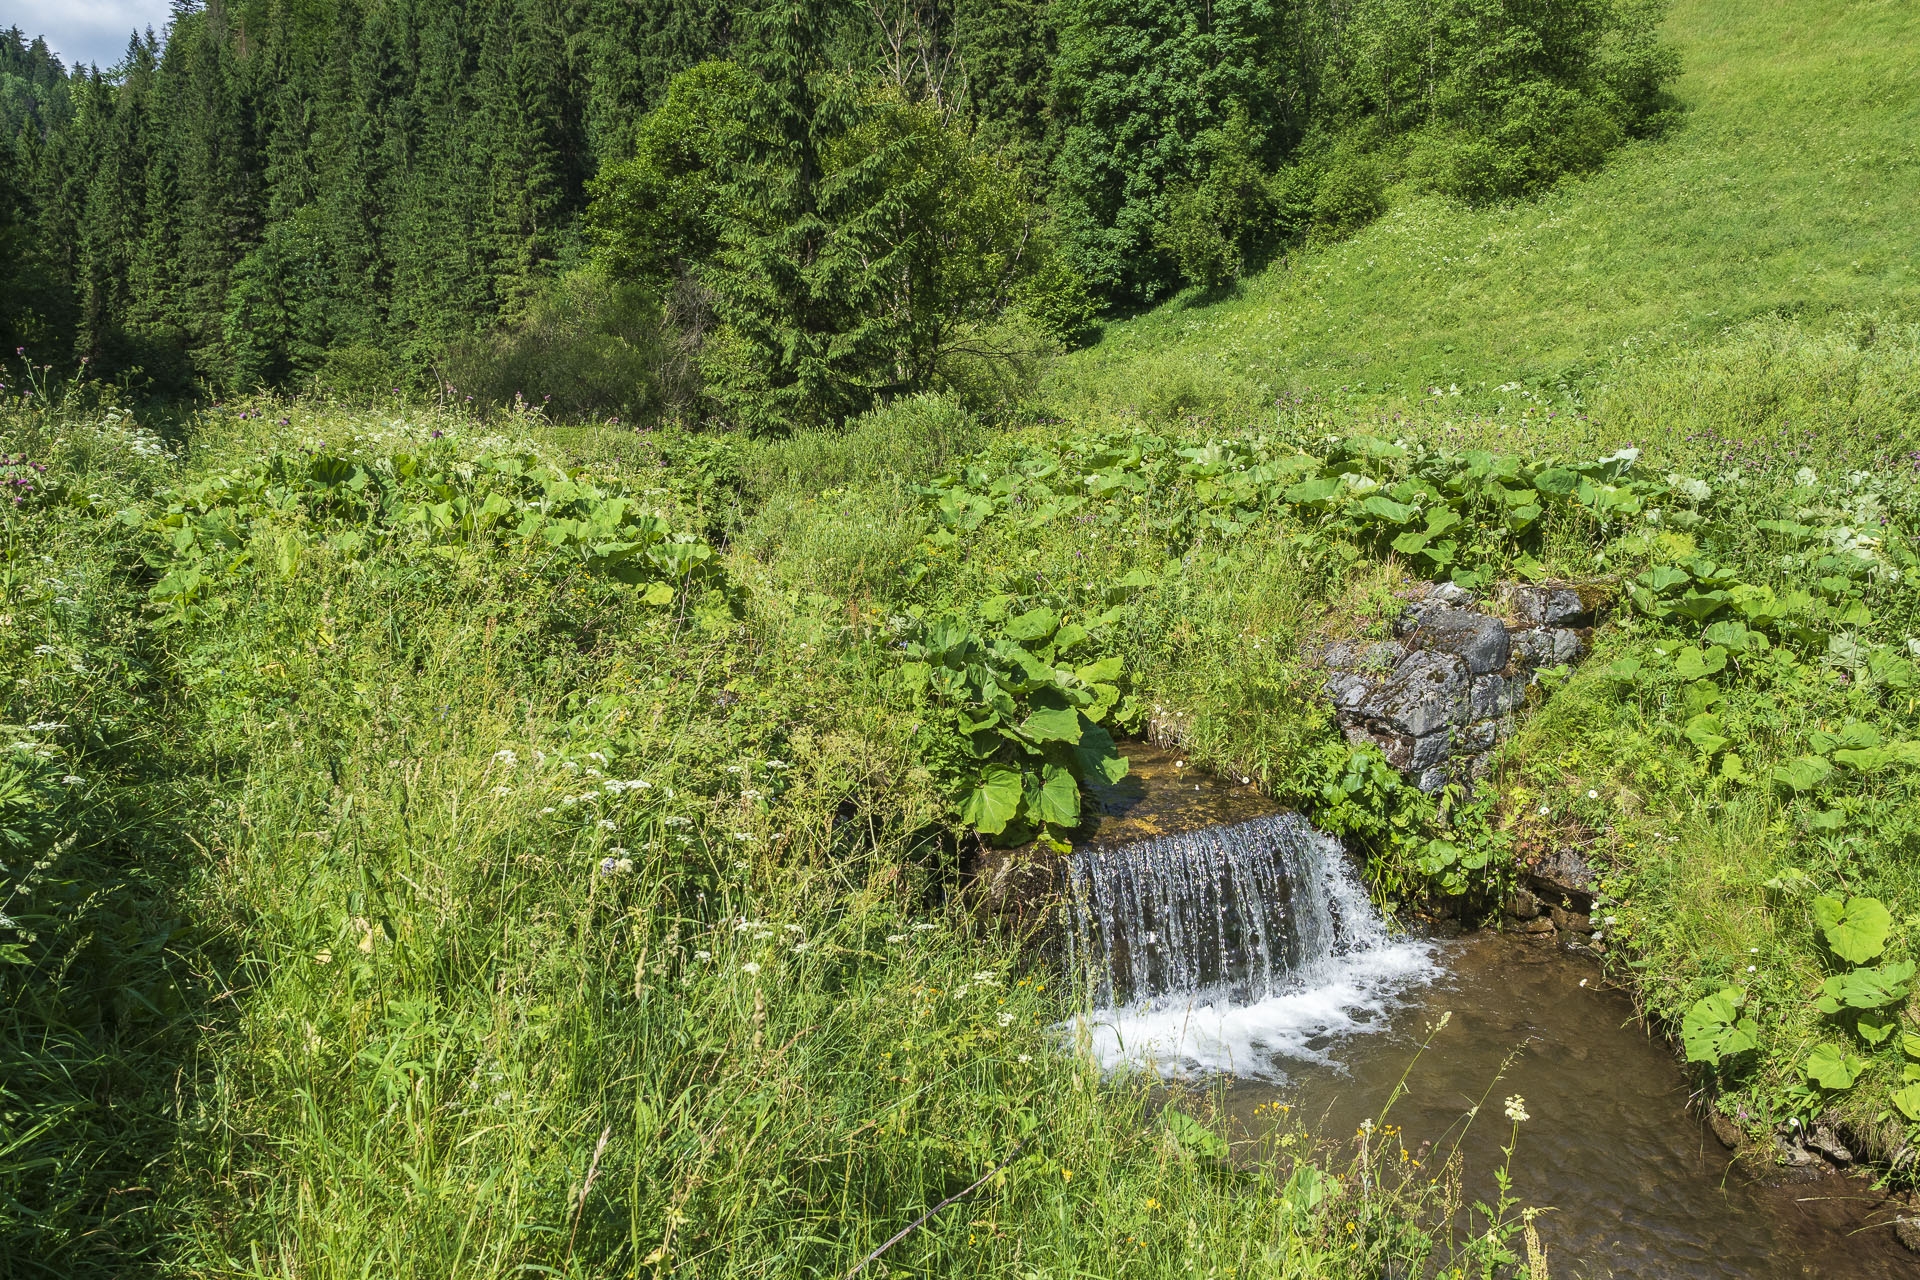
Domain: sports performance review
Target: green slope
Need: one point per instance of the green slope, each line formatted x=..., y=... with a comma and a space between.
x=1791, y=187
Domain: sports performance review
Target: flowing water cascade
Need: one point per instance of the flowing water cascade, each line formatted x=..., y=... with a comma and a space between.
x=1230, y=948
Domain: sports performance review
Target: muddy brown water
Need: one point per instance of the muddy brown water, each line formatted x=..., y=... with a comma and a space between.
x=1634, y=1184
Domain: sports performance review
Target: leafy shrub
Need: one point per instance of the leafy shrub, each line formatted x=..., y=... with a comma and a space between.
x=588, y=347
x=1014, y=722
x=1350, y=191
x=351, y=505
x=361, y=373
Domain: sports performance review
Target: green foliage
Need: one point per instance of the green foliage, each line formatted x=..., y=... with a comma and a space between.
x=359, y=504
x=586, y=348
x=1865, y=989
x=1013, y=723
x=1716, y=1029
x=1833, y=1068
x=852, y=245
x=1855, y=929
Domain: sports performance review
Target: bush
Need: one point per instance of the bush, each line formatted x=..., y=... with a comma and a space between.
x=591, y=347
x=360, y=373
x=1351, y=192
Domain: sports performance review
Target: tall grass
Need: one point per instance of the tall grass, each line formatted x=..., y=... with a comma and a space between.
x=479, y=919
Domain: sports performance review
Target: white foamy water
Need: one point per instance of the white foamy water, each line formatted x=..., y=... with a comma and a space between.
x=1232, y=949
x=1184, y=1037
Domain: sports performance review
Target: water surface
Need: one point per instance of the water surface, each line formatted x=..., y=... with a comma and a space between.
x=1636, y=1184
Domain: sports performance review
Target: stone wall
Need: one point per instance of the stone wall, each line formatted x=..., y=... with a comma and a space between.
x=1445, y=690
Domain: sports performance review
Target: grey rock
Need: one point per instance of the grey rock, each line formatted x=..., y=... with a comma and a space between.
x=1432, y=780
x=1469, y=739
x=1567, y=645
x=1907, y=1231
x=1565, y=873
x=1355, y=655
x=1487, y=698
x=1429, y=751
x=1398, y=748
x=1451, y=593
x=1827, y=1143
x=1724, y=1128
x=1523, y=905
x=1426, y=693
x=1547, y=606
x=1347, y=689
x=1538, y=925
x=1533, y=648
x=1481, y=642
x=1382, y=655
x=1338, y=655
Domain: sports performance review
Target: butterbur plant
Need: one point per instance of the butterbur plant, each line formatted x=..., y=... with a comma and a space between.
x=1014, y=721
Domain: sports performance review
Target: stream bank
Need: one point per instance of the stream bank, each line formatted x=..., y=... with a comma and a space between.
x=1637, y=1181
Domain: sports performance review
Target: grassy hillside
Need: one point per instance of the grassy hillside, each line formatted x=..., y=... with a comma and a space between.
x=1789, y=187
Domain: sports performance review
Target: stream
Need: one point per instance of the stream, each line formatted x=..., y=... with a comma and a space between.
x=1243, y=953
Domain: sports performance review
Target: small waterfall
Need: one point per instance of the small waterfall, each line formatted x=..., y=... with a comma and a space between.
x=1226, y=947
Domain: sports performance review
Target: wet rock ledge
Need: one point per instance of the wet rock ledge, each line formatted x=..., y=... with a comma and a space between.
x=1438, y=697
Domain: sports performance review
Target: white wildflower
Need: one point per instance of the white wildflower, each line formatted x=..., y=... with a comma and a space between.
x=1517, y=1109
x=1004, y=1019
x=505, y=756
x=750, y=967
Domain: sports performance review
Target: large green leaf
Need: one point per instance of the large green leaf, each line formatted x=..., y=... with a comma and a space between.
x=1856, y=929
x=1556, y=480
x=1317, y=492
x=1832, y=1067
x=994, y=800
x=1033, y=626
x=1193, y=1135
x=1098, y=757
x=1864, y=759
x=1700, y=605
x=1055, y=724
x=1664, y=578
x=1908, y=1100
x=1703, y=731
x=1713, y=1029
x=1694, y=664
x=1864, y=988
x=1733, y=636
x=1803, y=773
x=1056, y=801
x=1388, y=510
